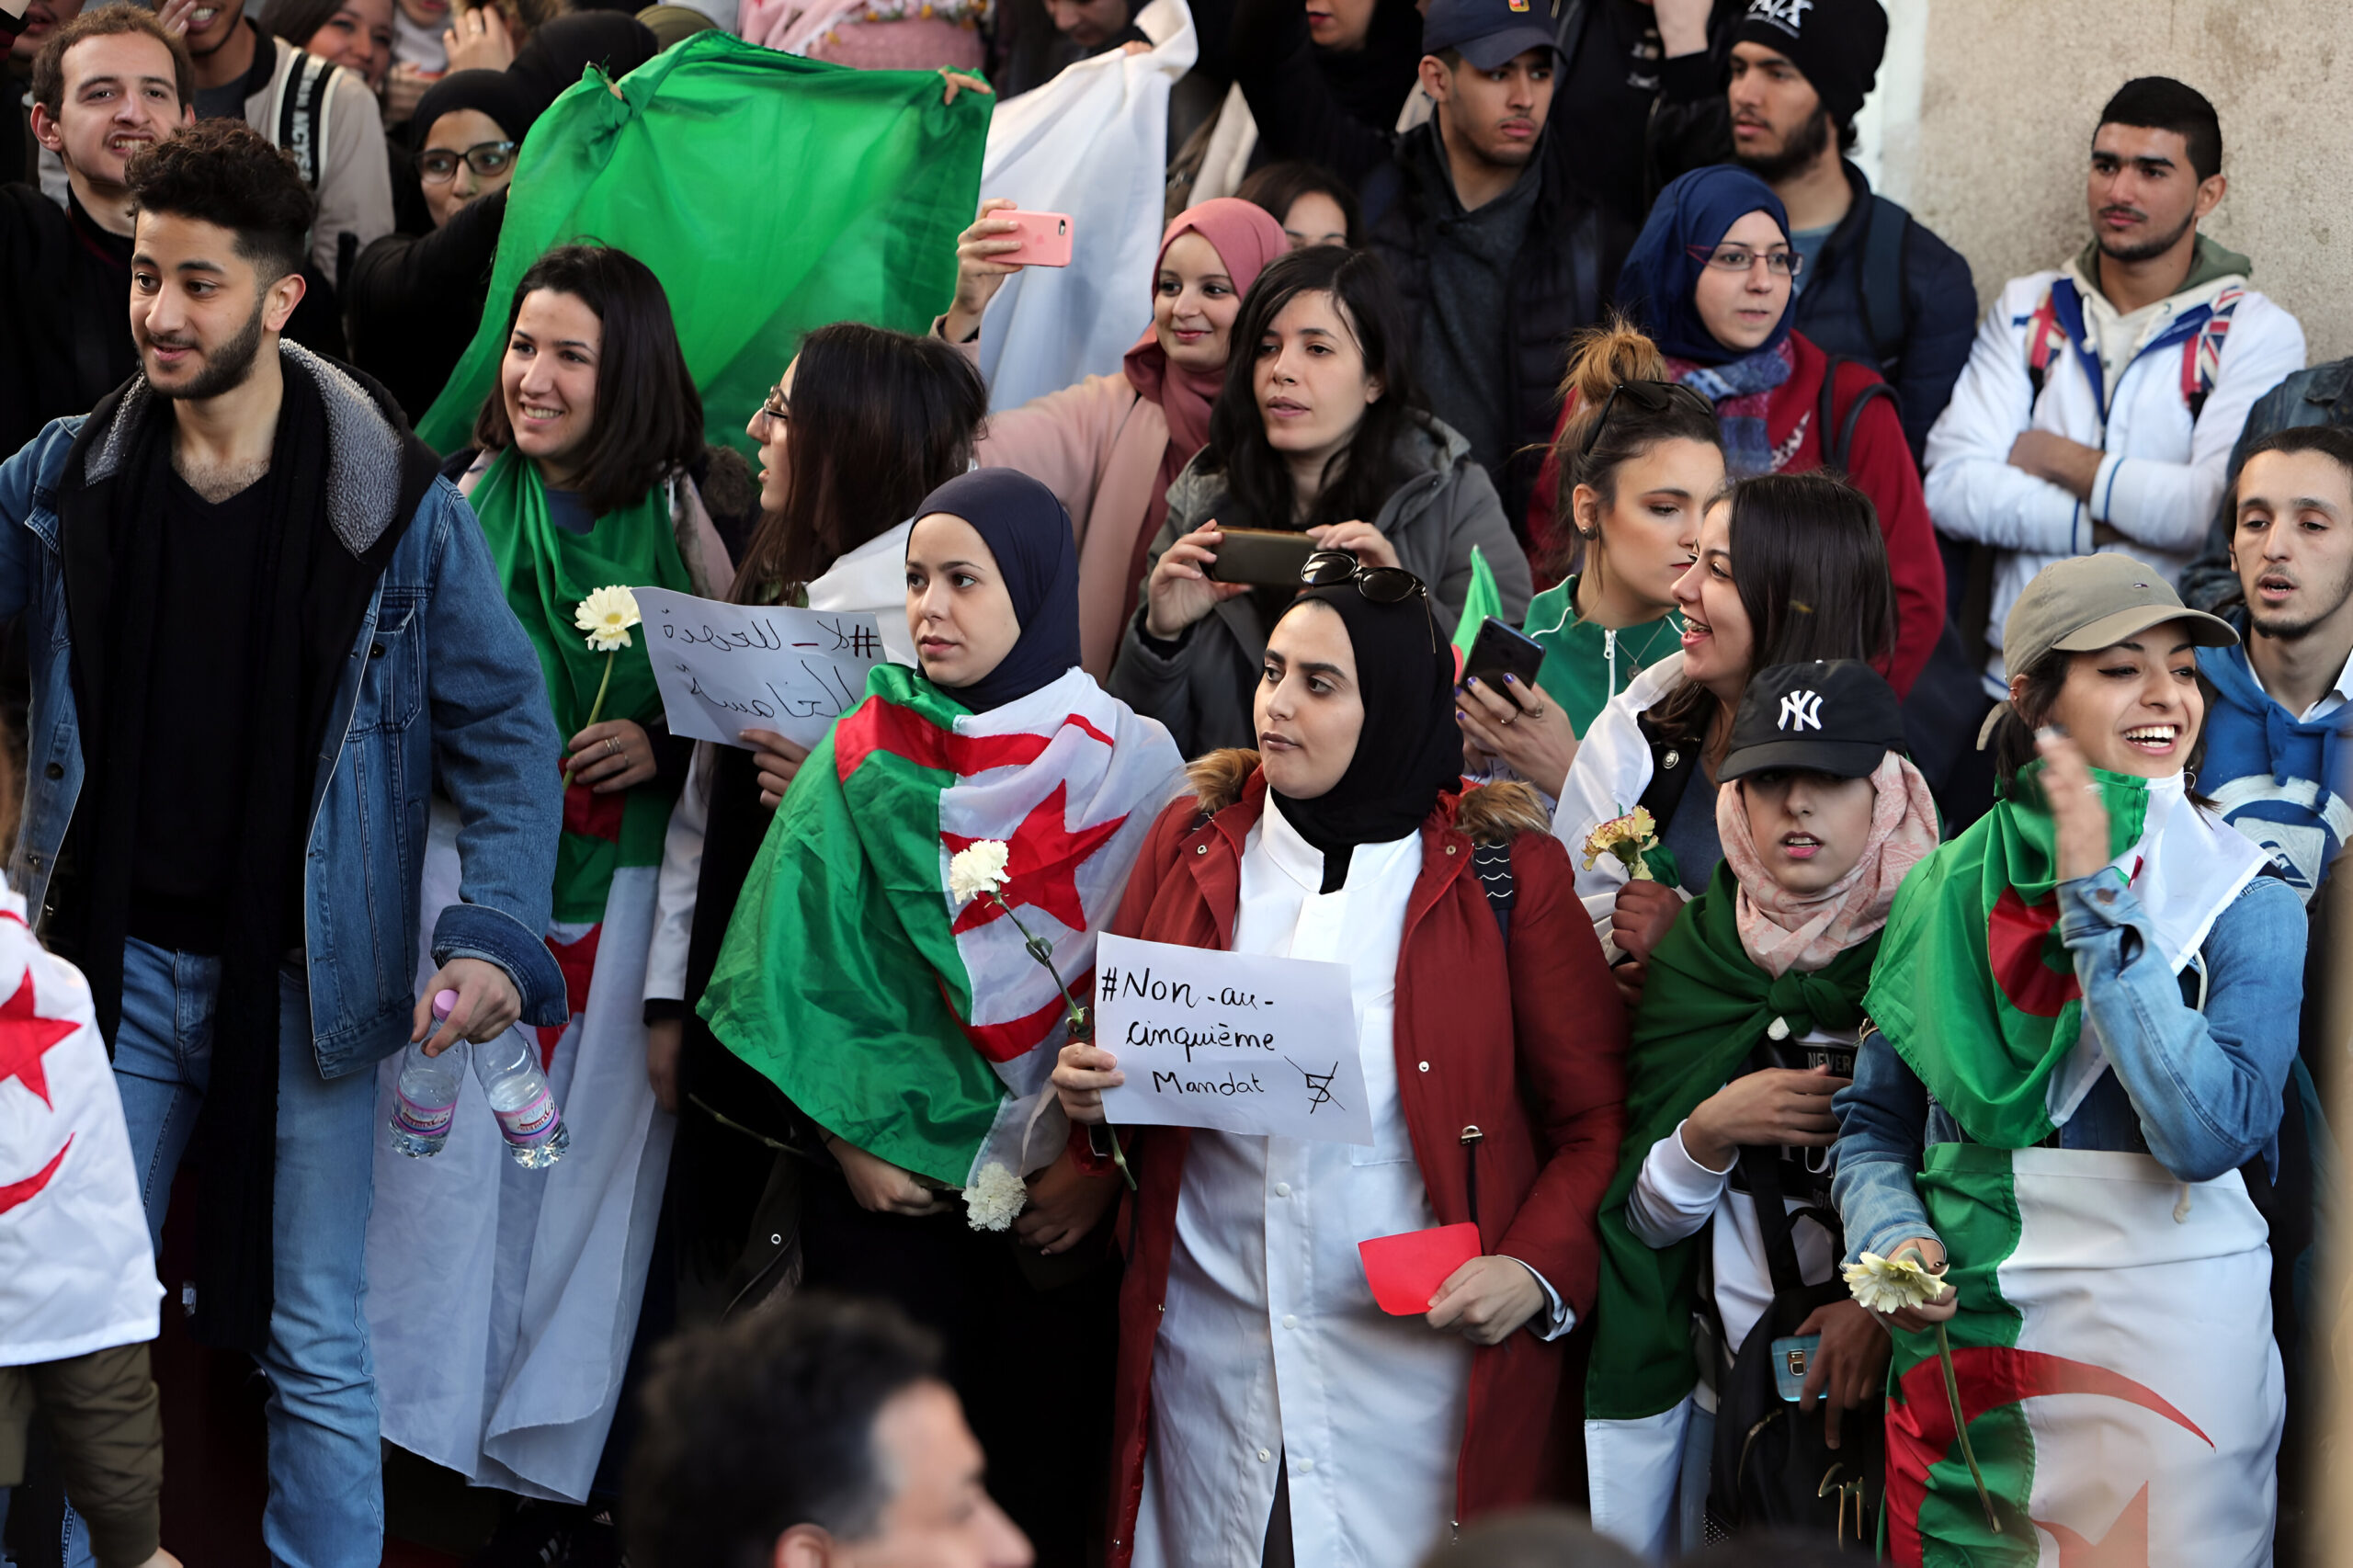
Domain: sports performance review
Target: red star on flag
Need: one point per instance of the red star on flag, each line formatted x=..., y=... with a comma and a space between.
x=26, y=1036
x=1041, y=867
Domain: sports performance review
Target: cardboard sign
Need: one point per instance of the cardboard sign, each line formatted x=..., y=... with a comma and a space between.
x=726, y=668
x=1405, y=1270
x=1237, y=1042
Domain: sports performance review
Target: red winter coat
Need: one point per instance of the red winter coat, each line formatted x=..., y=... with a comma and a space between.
x=1879, y=461
x=1532, y=1052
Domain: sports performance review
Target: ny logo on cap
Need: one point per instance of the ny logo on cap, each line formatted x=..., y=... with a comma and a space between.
x=1801, y=709
x=1785, y=12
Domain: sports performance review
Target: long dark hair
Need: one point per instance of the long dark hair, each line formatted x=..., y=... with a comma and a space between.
x=648, y=417
x=1810, y=567
x=297, y=21
x=1360, y=476
x=1601, y=359
x=880, y=420
x=1274, y=188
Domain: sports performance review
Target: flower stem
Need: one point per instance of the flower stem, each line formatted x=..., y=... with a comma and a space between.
x=595, y=708
x=1077, y=1018
x=1961, y=1430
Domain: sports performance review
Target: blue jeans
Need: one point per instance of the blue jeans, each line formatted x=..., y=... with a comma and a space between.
x=327, y=1491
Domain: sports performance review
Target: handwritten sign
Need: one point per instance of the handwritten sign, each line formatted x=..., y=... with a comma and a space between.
x=726, y=668
x=1239, y=1042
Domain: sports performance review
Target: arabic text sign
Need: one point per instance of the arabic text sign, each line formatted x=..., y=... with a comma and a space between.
x=1239, y=1042
x=725, y=668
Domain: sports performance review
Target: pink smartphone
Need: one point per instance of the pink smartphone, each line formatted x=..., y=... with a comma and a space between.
x=1044, y=236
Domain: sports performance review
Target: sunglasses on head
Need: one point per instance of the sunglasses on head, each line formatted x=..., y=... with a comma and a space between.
x=1651, y=397
x=1379, y=585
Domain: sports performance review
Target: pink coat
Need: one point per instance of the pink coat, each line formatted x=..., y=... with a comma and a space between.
x=1098, y=446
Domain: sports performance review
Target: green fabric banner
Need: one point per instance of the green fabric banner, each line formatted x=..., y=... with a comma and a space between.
x=1705, y=1008
x=1974, y=990
x=770, y=194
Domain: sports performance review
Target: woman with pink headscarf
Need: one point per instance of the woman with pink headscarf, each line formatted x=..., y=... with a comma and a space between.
x=1109, y=446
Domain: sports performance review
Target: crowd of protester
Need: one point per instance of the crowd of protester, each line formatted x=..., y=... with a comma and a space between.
x=1906, y=843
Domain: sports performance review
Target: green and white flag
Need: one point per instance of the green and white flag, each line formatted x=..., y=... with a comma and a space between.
x=918, y=1027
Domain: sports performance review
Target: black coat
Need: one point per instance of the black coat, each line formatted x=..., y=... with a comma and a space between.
x=65, y=326
x=414, y=301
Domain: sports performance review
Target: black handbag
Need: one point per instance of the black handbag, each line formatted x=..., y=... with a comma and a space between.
x=1772, y=1468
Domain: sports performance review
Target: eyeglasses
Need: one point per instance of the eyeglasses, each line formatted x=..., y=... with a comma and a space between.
x=438, y=166
x=1651, y=397
x=1379, y=585
x=1740, y=258
x=778, y=408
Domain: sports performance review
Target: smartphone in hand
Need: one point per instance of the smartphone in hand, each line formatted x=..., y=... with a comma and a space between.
x=1262, y=557
x=1045, y=237
x=1499, y=651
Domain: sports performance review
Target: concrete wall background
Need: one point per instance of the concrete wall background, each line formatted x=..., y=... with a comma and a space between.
x=1985, y=112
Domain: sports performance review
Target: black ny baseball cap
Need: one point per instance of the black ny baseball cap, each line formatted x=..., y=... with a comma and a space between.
x=1834, y=716
x=1487, y=33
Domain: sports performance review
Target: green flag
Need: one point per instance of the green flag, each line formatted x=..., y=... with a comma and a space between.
x=770, y=194
x=1483, y=600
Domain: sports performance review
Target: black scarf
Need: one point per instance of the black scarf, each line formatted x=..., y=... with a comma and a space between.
x=311, y=595
x=1409, y=750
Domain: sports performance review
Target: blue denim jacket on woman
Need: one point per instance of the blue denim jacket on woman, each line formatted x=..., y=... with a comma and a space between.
x=441, y=686
x=2202, y=1091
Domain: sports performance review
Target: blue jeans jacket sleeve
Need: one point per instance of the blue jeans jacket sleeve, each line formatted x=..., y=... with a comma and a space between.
x=2206, y=1087
x=496, y=754
x=21, y=479
x=1883, y=1134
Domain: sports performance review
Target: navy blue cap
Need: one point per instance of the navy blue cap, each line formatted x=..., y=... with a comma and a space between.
x=1487, y=33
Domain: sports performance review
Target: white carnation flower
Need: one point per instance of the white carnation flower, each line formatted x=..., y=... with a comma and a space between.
x=606, y=615
x=977, y=868
x=995, y=1196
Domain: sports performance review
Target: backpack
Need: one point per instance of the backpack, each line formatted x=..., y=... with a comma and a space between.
x=1886, y=311
x=2201, y=353
x=299, y=110
x=1839, y=443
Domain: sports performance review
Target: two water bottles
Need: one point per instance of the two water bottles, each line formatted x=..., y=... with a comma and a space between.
x=508, y=1069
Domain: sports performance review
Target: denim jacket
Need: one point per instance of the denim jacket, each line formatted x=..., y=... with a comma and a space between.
x=2200, y=1090
x=441, y=688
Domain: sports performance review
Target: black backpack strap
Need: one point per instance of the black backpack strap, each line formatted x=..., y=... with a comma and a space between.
x=1492, y=862
x=1839, y=441
x=1886, y=311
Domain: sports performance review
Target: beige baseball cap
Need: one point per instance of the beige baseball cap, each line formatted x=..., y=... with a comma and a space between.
x=2096, y=601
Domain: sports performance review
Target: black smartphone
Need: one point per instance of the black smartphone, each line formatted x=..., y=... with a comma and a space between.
x=1499, y=651
x=1262, y=557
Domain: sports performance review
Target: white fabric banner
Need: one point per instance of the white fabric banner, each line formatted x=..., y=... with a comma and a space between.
x=1093, y=143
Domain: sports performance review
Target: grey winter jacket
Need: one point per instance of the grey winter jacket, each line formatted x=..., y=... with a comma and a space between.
x=1200, y=686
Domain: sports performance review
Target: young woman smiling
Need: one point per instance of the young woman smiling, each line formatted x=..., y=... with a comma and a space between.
x=1712, y=279
x=1644, y=457
x=580, y=484
x=1491, y=1055
x=1109, y=447
x=1317, y=429
x=2083, y=1020
x=1775, y=554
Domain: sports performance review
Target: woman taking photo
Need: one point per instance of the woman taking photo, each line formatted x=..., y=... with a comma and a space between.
x=2082, y=1021
x=1318, y=431
x=1769, y=551
x=1712, y=278
x=1492, y=1050
x=863, y=423
x=1642, y=457
x=1110, y=446
x=1747, y=1028
x=580, y=484
x=911, y=1027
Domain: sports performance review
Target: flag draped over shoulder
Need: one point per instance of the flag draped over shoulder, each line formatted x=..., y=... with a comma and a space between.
x=770, y=194
x=920, y=1030
x=1704, y=1010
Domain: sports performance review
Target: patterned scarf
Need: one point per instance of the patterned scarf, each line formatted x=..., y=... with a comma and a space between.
x=1740, y=389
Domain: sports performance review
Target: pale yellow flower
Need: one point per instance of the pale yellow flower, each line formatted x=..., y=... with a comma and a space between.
x=1891, y=1284
x=996, y=1197
x=977, y=868
x=606, y=615
x=1626, y=837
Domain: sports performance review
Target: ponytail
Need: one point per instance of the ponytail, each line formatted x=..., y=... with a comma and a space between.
x=1601, y=359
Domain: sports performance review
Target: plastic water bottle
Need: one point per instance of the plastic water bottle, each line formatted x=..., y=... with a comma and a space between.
x=427, y=1100
x=508, y=1069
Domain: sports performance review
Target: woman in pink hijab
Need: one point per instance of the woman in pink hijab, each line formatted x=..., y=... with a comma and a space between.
x=1110, y=446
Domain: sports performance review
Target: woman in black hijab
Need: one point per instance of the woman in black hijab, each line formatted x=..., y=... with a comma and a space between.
x=1491, y=1043
x=558, y=52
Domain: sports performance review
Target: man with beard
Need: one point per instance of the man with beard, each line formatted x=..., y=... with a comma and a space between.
x=106, y=84
x=2101, y=400
x=2276, y=758
x=1498, y=244
x=265, y=634
x=1877, y=286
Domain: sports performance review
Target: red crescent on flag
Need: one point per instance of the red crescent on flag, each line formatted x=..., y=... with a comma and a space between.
x=2016, y=934
x=1920, y=1431
x=16, y=1194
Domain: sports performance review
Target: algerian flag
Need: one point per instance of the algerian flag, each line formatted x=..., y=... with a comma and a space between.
x=770, y=194
x=1483, y=600
x=2114, y=1356
x=919, y=1027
